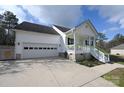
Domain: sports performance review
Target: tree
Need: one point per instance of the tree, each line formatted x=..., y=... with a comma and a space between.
x=9, y=21
x=117, y=40
x=101, y=43
x=101, y=36
x=2, y=36
x=117, y=36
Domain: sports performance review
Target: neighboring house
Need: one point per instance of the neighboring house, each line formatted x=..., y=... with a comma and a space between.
x=118, y=50
x=35, y=41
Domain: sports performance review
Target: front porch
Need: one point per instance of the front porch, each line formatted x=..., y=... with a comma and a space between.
x=80, y=46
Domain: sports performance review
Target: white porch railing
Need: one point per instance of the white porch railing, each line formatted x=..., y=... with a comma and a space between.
x=99, y=55
x=79, y=49
x=70, y=47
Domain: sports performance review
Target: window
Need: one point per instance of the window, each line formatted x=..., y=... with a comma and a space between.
x=86, y=42
x=35, y=48
x=48, y=48
x=51, y=48
x=92, y=43
x=40, y=47
x=44, y=48
x=117, y=54
x=18, y=43
x=30, y=47
x=70, y=41
x=55, y=48
x=25, y=47
x=86, y=26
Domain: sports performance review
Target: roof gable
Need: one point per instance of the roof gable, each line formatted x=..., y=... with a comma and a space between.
x=88, y=22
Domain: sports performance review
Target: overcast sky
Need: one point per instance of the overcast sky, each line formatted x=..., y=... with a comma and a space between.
x=106, y=19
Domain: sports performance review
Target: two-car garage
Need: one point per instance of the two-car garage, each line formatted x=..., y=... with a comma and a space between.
x=37, y=41
x=37, y=50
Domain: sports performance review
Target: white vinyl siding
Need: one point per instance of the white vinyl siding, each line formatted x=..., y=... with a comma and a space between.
x=117, y=51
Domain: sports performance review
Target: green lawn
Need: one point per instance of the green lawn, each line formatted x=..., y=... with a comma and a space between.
x=120, y=63
x=117, y=58
x=116, y=76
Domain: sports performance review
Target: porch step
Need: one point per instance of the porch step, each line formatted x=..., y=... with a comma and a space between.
x=99, y=55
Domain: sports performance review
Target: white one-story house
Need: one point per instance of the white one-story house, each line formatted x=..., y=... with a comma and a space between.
x=35, y=41
x=118, y=50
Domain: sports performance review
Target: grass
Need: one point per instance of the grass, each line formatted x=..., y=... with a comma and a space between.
x=120, y=63
x=117, y=59
x=90, y=62
x=116, y=76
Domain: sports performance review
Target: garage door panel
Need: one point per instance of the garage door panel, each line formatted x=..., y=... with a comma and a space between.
x=39, y=50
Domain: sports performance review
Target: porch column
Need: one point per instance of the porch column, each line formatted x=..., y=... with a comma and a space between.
x=65, y=43
x=94, y=41
x=74, y=41
x=89, y=41
x=74, y=45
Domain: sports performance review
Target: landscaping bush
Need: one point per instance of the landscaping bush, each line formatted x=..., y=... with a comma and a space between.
x=90, y=62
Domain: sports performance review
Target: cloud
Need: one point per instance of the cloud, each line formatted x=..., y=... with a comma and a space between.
x=111, y=29
x=113, y=13
x=16, y=10
x=61, y=15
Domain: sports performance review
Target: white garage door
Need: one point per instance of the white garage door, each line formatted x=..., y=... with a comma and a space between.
x=33, y=50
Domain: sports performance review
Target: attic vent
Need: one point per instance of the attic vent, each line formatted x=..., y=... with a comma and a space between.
x=86, y=26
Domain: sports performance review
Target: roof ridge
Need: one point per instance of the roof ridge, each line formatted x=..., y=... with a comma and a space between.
x=61, y=26
x=87, y=20
x=28, y=26
x=118, y=46
x=63, y=29
x=34, y=23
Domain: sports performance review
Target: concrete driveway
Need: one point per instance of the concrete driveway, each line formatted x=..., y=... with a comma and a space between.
x=46, y=72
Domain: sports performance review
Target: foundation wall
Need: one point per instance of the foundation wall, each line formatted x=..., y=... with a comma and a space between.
x=79, y=57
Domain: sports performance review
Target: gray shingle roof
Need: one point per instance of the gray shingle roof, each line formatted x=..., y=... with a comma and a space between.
x=27, y=26
x=119, y=47
x=63, y=29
